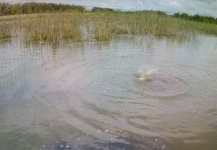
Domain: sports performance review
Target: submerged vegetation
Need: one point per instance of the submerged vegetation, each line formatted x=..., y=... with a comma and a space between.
x=99, y=24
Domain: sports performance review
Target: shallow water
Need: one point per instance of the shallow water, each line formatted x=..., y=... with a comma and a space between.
x=86, y=96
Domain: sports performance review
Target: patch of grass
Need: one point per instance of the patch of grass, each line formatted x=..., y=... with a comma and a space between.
x=199, y=27
x=107, y=26
x=52, y=28
x=5, y=31
x=102, y=35
x=103, y=26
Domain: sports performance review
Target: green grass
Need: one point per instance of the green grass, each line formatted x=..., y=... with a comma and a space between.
x=102, y=26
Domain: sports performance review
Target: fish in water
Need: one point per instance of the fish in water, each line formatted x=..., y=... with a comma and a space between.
x=142, y=76
x=144, y=73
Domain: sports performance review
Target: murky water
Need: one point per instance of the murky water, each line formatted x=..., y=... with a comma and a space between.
x=86, y=96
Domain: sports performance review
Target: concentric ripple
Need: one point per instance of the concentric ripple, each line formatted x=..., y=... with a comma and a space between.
x=86, y=94
x=125, y=87
x=161, y=85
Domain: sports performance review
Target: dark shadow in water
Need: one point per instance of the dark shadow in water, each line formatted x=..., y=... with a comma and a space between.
x=95, y=144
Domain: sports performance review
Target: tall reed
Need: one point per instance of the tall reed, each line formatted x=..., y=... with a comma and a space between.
x=5, y=31
x=102, y=26
x=52, y=28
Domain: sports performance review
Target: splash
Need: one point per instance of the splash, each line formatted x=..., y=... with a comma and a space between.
x=158, y=84
x=144, y=73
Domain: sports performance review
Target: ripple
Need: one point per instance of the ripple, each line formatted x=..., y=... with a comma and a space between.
x=161, y=85
x=129, y=88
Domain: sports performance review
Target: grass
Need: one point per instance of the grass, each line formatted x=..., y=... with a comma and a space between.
x=52, y=28
x=101, y=26
x=5, y=31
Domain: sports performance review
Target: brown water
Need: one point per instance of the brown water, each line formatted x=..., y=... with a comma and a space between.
x=86, y=96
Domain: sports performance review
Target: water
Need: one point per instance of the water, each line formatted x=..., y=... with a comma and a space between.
x=86, y=95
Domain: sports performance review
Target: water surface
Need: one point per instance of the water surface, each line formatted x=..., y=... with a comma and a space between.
x=86, y=96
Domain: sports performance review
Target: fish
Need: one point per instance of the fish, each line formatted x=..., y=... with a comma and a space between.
x=142, y=76
x=144, y=73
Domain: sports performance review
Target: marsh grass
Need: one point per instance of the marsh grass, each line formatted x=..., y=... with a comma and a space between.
x=200, y=27
x=5, y=31
x=102, y=26
x=52, y=28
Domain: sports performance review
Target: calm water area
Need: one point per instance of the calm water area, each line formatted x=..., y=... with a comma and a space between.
x=67, y=95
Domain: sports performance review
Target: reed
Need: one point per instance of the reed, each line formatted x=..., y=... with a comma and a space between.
x=52, y=28
x=5, y=31
x=102, y=26
x=107, y=27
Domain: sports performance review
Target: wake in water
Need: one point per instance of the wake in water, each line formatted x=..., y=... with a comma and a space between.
x=144, y=73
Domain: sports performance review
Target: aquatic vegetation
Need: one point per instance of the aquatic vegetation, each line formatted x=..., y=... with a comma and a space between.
x=102, y=26
x=51, y=28
x=5, y=31
x=200, y=27
x=104, y=30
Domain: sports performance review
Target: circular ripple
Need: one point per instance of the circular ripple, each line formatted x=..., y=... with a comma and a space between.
x=128, y=88
x=161, y=85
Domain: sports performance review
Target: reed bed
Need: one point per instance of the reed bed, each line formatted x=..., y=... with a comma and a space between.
x=5, y=31
x=102, y=26
x=52, y=28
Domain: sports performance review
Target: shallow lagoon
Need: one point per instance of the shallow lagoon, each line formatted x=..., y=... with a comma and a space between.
x=85, y=95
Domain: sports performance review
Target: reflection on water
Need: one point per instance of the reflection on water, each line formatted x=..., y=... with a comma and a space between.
x=86, y=96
